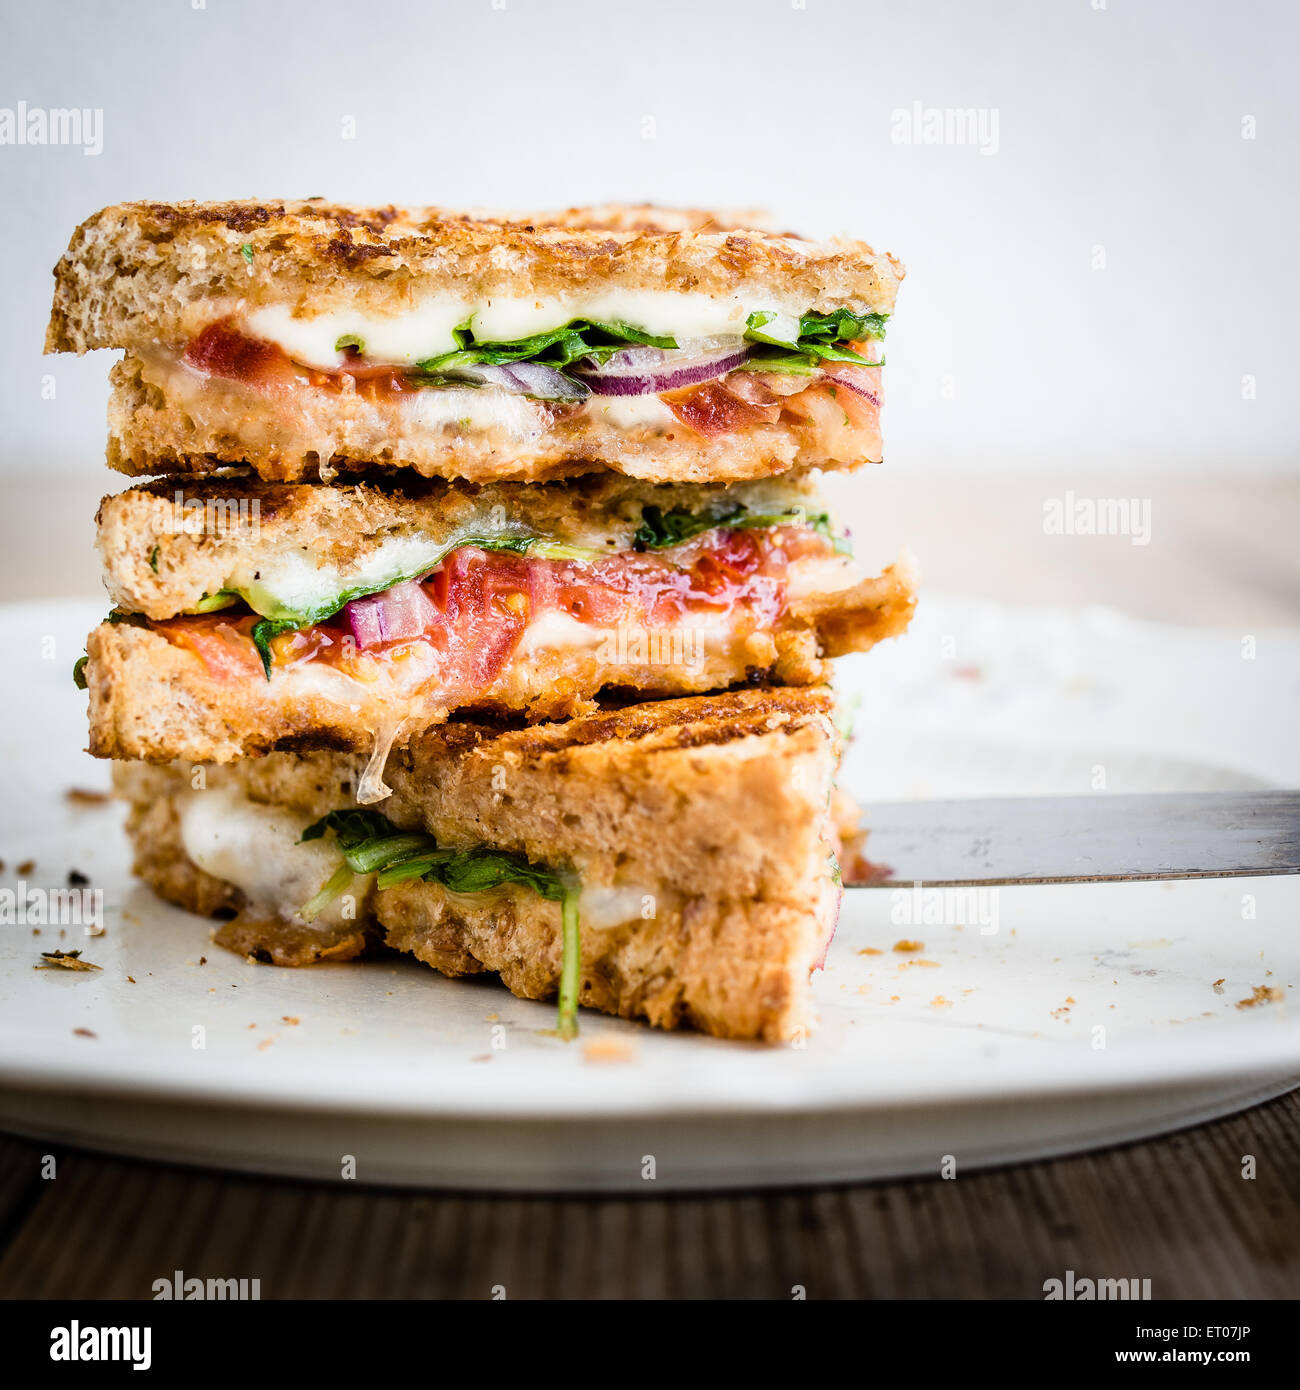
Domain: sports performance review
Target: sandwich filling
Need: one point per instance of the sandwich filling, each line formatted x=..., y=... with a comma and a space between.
x=648, y=363
x=318, y=873
x=455, y=614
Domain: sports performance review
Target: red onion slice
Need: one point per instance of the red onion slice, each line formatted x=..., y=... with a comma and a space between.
x=643, y=371
x=525, y=379
x=398, y=614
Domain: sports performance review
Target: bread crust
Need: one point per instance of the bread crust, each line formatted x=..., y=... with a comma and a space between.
x=719, y=803
x=153, y=700
x=132, y=269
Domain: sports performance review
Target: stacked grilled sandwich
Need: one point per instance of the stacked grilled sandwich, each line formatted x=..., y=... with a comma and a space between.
x=485, y=610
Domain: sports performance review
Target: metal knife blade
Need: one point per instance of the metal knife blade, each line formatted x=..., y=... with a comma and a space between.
x=1084, y=839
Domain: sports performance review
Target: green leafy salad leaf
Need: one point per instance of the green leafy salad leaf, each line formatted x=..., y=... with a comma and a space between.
x=578, y=340
x=276, y=619
x=821, y=338
x=660, y=530
x=372, y=844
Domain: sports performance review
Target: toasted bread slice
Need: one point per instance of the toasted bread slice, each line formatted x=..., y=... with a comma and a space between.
x=138, y=273
x=297, y=338
x=700, y=830
x=153, y=699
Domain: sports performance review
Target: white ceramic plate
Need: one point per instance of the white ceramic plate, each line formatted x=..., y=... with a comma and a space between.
x=1089, y=1015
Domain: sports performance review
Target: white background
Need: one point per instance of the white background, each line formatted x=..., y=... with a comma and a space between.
x=1118, y=128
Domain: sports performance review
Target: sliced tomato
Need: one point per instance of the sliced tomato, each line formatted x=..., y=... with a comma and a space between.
x=485, y=604
x=481, y=603
x=857, y=391
x=713, y=409
x=822, y=406
x=223, y=352
x=752, y=387
x=223, y=645
x=587, y=600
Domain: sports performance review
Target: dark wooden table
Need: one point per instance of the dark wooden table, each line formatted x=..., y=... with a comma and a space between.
x=1176, y=1211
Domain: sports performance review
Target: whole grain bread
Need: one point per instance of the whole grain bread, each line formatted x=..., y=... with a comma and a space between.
x=152, y=699
x=716, y=808
x=133, y=271
x=678, y=793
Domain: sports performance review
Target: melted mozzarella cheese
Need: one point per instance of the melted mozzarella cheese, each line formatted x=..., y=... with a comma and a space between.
x=553, y=631
x=296, y=581
x=478, y=408
x=421, y=332
x=426, y=330
x=257, y=848
x=631, y=412
x=602, y=908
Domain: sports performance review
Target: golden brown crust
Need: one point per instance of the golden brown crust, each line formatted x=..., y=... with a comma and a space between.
x=854, y=620
x=272, y=941
x=131, y=269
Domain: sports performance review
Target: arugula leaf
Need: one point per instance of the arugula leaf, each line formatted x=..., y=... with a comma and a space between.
x=280, y=619
x=566, y=1022
x=79, y=673
x=842, y=326
x=660, y=530
x=560, y=347
x=821, y=338
x=330, y=890
x=351, y=827
x=264, y=631
x=371, y=843
x=787, y=363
